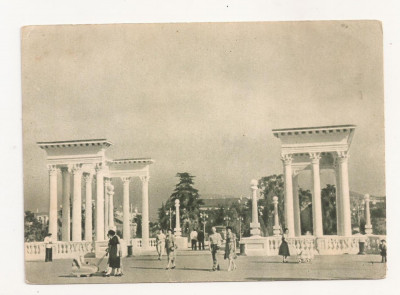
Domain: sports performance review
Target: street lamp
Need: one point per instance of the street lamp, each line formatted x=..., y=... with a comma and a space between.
x=170, y=213
x=227, y=219
x=240, y=219
x=204, y=216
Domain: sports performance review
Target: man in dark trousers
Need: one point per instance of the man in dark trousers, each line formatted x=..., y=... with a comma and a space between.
x=49, y=248
x=200, y=239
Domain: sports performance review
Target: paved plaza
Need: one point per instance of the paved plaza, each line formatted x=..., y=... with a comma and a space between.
x=196, y=267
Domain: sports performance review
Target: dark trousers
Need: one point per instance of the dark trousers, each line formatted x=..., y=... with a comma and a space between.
x=201, y=245
x=214, y=257
x=194, y=245
x=384, y=259
x=49, y=255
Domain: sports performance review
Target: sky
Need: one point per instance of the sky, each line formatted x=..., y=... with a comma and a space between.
x=202, y=98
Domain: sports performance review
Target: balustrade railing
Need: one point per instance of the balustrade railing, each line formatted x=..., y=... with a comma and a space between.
x=37, y=250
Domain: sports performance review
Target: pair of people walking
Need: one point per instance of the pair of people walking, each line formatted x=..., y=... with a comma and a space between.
x=114, y=255
x=230, y=248
x=167, y=243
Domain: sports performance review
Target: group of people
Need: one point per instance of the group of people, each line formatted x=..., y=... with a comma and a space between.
x=167, y=243
x=197, y=237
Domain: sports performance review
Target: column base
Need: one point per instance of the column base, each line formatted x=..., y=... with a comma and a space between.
x=177, y=232
x=368, y=229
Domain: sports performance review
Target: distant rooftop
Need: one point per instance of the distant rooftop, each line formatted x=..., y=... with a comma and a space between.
x=132, y=160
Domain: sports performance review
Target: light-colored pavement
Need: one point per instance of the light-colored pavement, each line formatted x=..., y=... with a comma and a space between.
x=196, y=267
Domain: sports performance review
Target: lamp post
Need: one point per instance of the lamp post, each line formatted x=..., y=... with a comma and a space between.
x=170, y=213
x=227, y=219
x=204, y=216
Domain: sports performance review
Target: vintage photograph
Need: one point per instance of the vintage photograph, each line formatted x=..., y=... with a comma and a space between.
x=203, y=152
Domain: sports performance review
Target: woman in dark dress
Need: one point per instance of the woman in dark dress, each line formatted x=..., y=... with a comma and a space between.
x=114, y=252
x=284, y=247
x=170, y=248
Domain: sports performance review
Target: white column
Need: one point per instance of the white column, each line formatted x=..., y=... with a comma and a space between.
x=296, y=205
x=110, y=193
x=125, y=207
x=145, y=210
x=77, y=204
x=106, y=205
x=316, y=196
x=345, y=193
x=66, y=194
x=254, y=225
x=99, y=203
x=289, y=211
x=368, y=225
x=88, y=207
x=177, y=229
x=276, y=228
x=53, y=201
x=339, y=226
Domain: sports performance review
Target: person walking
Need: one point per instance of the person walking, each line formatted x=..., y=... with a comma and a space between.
x=48, y=241
x=114, y=253
x=193, y=238
x=170, y=247
x=230, y=248
x=383, y=249
x=284, y=247
x=215, y=241
x=160, y=243
x=200, y=239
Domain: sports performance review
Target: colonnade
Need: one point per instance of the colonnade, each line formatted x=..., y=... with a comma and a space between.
x=104, y=203
x=292, y=207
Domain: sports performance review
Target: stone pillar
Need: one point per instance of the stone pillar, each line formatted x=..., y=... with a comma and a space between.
x=110, y=192
x=296, y=205
x=77, y=204
x=177, y=229
x=345, y=193
x=125, y=207
x=339, y=226
x=368, y=225
x=276, y=228
x=99, y=203
x=106, y=205
x=88, y=207
x=53, y=201
x=145, y=210
x=66, y=195
x=316, y=196
x=289, y=210
x=254, y=225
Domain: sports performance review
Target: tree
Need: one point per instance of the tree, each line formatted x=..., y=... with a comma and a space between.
x=328, y=202
x=34, y=231
x=189, y=199
x=271, y=186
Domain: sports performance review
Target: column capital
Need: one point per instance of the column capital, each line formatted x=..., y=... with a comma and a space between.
x=315, y=157
x=88, y=177
x=177, y=203
x=295, y=172
x=144, y=178
x=76, y=169
x=254, y=184
x=98, y=167
x=107, y=181
x=366, y=197
x=342, y=156
x=126, y=179
x=52, y=169
x=66, y=169
x=287, y=158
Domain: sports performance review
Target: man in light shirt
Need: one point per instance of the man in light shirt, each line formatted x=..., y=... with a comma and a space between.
x=193, y=238
x=48, y=241
x=215, y=244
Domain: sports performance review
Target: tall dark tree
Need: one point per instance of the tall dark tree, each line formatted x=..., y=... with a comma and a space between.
x=328, y=202
x=34, y=231
x=271, y=186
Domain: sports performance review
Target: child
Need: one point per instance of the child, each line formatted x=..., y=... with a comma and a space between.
x=383, y=248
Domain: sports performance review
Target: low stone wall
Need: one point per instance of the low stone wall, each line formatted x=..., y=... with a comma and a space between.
x=326, y=245
x=35, y=251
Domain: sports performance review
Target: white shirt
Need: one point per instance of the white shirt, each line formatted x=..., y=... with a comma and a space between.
x=193, y=235
x=48, y=241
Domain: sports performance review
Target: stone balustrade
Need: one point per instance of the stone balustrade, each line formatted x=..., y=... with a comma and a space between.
x=325, y=245
x=37, y=250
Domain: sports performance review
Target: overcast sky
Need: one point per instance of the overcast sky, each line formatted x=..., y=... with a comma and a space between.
x=202, y=98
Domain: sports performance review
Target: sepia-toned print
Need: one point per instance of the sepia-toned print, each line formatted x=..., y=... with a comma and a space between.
x=203, y=152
